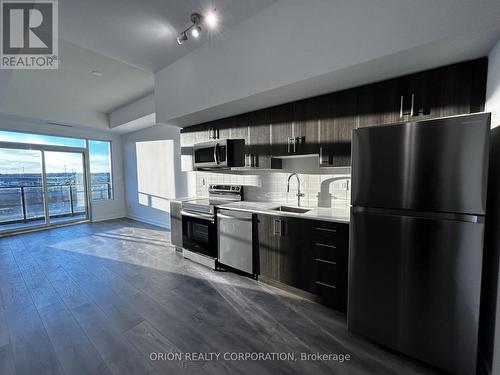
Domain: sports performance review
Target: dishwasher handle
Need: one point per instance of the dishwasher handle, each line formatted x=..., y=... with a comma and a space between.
x=222, y=216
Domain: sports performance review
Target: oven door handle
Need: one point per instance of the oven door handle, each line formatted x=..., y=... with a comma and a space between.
x=198, y=215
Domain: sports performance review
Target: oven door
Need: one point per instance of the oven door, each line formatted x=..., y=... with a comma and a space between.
x=199, y=233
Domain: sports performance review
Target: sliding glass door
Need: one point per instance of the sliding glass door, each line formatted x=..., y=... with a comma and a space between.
x=21, y=189
x=66, y=186
x=41, y=187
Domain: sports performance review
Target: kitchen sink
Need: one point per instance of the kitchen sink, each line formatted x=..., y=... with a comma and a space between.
x=296, y=210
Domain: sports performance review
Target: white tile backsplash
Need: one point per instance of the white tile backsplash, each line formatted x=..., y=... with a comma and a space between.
x=322, y=187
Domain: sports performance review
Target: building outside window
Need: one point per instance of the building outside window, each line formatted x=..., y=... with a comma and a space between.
x=101, y=181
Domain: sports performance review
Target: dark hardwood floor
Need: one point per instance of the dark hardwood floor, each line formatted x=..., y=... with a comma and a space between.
x=100, y=298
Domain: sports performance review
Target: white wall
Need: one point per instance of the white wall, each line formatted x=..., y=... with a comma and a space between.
x=493, y=86
x=153, y=173
x=493, y=106
x=322, y=187
x=132, y=111
x=101, y=210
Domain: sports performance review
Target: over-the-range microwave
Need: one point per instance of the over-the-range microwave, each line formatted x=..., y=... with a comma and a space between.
x=220, y=153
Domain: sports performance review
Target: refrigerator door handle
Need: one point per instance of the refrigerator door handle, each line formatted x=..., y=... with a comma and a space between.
x=422, y=214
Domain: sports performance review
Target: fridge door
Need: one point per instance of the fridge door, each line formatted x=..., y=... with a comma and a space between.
x=414, y=286
x=435, y=165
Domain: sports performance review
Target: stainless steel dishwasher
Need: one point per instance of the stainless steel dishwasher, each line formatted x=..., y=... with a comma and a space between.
x=235, y=232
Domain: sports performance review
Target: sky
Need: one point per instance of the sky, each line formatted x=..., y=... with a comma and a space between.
x=29, y=161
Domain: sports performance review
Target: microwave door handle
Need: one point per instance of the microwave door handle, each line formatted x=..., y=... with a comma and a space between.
x=216, y=153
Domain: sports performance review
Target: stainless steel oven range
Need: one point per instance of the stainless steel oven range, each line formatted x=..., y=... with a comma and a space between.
x=199, y=223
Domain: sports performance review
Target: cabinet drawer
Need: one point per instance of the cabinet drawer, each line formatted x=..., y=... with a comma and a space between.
x=329, y=295
x=331, y=235
x=332, y=296
x=330, y=253
x=327, y=272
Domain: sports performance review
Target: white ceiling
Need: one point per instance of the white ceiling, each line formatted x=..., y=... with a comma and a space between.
x=143, y=33
x=126, y=40
x=71, y=94
x=296, y=49
x=129, y=40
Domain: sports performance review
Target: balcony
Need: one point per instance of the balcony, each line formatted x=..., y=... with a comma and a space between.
x=22, y=206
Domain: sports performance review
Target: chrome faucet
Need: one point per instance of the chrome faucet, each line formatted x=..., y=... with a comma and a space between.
x=299, y=194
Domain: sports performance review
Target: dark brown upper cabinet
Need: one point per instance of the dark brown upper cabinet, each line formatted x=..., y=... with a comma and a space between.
x=259, y=137
x=194, y=134
x=337, y=119
x=281, y=119
x=381, y=103
x=220, y=129
x=239, y=128
x=458, y=88
x=323, y=125
x=305, y=126
x=451, y=90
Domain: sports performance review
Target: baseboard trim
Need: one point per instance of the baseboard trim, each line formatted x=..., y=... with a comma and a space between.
x=149, y=221
x=112, y=217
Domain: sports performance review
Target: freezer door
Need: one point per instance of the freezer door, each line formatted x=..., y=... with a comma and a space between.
x=436, y=165
x=236, y=240
x=414, y=286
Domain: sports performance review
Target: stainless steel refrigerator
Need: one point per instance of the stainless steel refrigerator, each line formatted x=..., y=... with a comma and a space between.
x=416, y=237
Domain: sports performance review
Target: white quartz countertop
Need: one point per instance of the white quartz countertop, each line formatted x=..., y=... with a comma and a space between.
x=183, y=199
x=340, y=215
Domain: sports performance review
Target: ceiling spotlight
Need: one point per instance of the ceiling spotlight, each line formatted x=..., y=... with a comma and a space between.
x=211, y=20
x=195, y=31
x=182, y=38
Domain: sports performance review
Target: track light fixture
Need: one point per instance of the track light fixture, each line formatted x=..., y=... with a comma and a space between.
x=197, y=20
x=182, y=37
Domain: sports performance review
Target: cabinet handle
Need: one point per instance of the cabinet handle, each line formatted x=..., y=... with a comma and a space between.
x=326, y=229
x=277, y=227
x=324, y=284
x=412, y=104
x=321, y=160
x=401, y=107
x=324, y=245
x=325, y=261
x=213, y=133
x=412, y=107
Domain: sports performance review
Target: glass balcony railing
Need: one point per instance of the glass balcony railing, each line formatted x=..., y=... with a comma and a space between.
x=23, y=204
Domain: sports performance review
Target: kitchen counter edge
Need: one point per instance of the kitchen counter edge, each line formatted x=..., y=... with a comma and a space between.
x=311, y=215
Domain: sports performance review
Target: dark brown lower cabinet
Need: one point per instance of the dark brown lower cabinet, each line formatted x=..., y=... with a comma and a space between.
x=176, y=224
x=309, y=255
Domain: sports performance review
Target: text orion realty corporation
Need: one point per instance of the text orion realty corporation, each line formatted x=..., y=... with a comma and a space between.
x=29, y=34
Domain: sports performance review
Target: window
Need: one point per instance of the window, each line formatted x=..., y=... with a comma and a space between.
x=101, y=183
x=50, y=140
